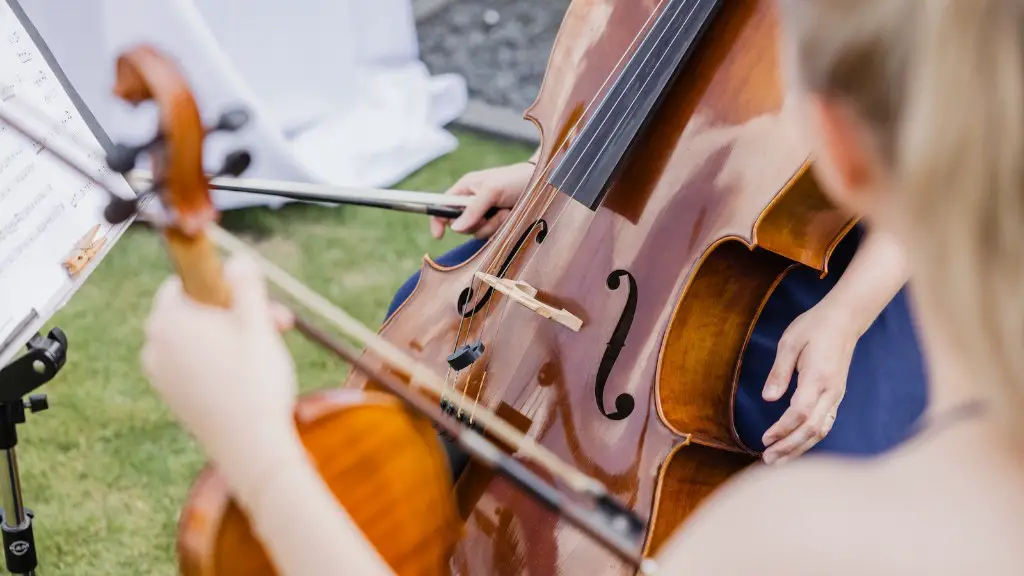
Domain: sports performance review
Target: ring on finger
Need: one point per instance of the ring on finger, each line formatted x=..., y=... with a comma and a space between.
x=830, y=419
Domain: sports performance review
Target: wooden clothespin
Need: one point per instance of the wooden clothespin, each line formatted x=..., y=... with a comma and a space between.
x=526, y=295
x=84, y=252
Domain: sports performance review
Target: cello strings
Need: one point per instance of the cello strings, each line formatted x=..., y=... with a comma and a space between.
x=492, y=267
x=505, y=304
x=547, y=198
x=492, y=261
x=526, y=266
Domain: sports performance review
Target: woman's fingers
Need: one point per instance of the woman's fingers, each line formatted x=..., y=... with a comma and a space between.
x=473, y=216
x=282, y=316
x=792, y=419
x=815, y=437
x=815, y=426
x=489, y=227
x=437, y=226
x=782, y=370
x=463, y=187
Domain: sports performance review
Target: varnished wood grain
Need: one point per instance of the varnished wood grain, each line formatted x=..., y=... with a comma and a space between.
x=387, y=469
x=709, y=212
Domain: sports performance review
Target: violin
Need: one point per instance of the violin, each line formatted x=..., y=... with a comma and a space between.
x=377, y=451
x=608, y=317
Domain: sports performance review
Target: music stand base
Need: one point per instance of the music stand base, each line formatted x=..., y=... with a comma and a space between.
x=19, y=546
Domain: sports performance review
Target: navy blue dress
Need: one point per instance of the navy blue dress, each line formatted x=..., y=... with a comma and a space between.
x=885, y=392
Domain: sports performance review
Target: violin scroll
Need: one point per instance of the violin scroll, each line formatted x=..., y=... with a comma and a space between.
x=144, y=74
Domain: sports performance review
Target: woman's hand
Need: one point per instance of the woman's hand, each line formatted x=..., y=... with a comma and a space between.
x=228, y=377
x=226, y=374
x=819, y=346
x=499, y=187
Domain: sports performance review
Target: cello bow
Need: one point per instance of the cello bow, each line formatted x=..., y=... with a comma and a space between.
x=426, y=203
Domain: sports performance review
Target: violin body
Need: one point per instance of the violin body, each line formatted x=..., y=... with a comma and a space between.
x=705, y=213
x=391, y=477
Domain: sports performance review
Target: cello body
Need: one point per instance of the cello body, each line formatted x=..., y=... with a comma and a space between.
x=667, y=268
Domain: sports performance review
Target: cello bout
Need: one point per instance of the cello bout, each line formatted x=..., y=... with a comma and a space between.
x=385, y=467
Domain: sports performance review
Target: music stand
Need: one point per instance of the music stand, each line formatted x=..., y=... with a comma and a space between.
x=43, y=359
x=30, y=359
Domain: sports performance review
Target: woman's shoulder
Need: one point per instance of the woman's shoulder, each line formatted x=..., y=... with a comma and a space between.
x=770, y=520
x=904, y=513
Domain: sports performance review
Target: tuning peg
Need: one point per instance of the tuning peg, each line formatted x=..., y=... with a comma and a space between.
x=121, y=209
x=231, y=121
x=235, y=163
x=122, y=158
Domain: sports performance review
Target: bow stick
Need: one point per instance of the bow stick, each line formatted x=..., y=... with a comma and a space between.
x=428, y=203
x=191, y=234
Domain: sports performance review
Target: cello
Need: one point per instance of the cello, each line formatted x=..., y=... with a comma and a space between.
x=608, y=317
x=377, y=452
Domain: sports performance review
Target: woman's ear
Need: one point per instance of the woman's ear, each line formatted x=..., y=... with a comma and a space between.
x=847, y=161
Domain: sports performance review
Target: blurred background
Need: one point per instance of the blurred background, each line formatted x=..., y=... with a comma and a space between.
x=409, y=94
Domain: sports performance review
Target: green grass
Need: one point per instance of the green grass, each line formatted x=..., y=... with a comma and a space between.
x=106, y=468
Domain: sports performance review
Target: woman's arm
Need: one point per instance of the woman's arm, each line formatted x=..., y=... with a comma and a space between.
x=301, y=525
x=875, y=275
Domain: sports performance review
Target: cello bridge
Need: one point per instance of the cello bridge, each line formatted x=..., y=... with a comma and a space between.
x=526, y=295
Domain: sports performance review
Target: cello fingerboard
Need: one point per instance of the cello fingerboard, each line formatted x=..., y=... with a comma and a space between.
x=588, y=167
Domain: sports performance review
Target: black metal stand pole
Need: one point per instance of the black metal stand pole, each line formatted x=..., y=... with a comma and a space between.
x=42, y=361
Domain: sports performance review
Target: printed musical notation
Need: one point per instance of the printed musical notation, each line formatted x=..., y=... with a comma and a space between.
x=60, y=129
x=45, y=208
x=39, y=230
x=17, y=182
x=11, y=225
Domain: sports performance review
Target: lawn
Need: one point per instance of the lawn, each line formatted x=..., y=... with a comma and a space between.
x=106, y=468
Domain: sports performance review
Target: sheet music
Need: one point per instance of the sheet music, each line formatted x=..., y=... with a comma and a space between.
x=45, y=207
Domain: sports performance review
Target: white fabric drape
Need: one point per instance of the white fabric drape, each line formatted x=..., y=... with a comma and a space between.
x=335, y=87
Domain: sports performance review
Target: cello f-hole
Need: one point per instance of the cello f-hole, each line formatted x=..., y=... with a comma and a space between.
x=624, y=403
x=466, y=296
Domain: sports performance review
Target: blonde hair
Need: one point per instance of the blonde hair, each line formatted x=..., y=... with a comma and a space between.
x=941, y=83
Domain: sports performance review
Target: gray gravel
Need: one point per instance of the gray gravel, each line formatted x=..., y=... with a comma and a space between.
x=501, y=47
